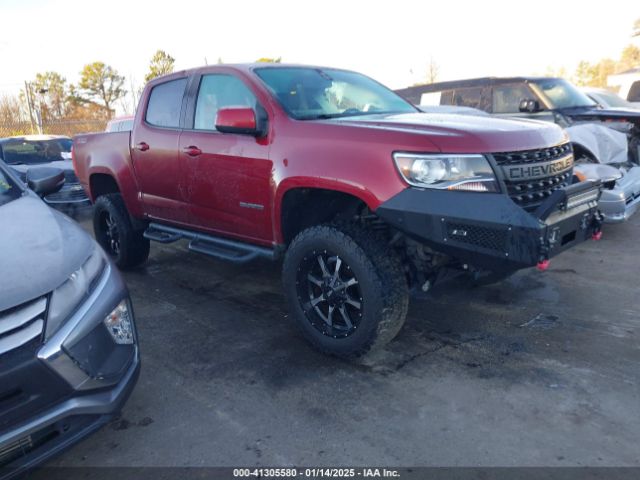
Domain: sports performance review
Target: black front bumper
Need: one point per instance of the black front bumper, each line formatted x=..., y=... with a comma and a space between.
x=489, y=231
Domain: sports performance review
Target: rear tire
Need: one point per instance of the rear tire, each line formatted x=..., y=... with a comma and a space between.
x=115, y=233
x=346, y=289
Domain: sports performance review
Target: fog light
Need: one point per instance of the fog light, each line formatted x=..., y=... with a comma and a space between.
x=118, y=322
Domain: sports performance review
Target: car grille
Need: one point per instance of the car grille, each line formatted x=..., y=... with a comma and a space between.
x=22, y=324
x=530, y=194
x=69, y=193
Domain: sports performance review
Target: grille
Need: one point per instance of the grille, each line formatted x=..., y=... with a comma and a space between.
x=484, y=237
x=530, y=194
x=69, y=193
x=20, y=325
x=532, y=156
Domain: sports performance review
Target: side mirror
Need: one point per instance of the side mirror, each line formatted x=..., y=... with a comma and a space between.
x=528, y=105
x=45, y=180
x=238, y=120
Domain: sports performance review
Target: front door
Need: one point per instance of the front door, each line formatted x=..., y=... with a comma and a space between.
x=506, y=102
x=227, y=182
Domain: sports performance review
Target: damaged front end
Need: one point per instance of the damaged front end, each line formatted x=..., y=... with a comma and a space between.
x=490, y=232
x=610, y=136
x=620, y=198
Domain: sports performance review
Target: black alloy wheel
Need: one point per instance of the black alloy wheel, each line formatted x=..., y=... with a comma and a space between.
x=330, y=294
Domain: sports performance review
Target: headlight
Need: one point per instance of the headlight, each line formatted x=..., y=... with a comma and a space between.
x=68, y=296
x=449, y=172
x=118, y=322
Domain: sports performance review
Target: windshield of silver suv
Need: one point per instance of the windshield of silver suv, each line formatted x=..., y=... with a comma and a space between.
x=561, y=94
x=314, y=93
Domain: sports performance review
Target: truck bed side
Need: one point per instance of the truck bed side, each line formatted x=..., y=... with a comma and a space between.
x=102, y=162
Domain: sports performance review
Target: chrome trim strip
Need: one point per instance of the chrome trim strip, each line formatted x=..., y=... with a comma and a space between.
x=19, y=338
x=22, y=315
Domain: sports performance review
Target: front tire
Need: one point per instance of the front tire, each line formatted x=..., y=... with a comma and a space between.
x=115, y=233
x=346, y=289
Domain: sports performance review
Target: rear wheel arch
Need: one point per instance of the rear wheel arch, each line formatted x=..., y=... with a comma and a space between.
x=102, y=184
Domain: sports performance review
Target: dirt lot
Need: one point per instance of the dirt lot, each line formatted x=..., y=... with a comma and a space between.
x=541, y=369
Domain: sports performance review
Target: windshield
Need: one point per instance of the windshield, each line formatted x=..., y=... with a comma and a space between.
x=8, y=189
x=312, y=93
x=561, y=94
x=23, y=151
x=608, y=99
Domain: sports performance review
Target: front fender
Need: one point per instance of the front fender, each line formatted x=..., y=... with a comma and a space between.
x=605, y=144
x=325, y=183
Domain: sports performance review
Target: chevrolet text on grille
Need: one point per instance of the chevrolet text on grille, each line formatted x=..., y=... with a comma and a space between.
x=538, y=170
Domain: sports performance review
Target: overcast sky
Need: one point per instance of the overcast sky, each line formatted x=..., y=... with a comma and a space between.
x=391, y=41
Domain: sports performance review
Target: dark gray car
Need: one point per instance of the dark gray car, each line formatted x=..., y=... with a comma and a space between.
x=68, y=349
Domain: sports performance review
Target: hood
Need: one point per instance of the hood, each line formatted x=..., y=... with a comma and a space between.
x=467, y=133
x=630, y=115
x=39, y=249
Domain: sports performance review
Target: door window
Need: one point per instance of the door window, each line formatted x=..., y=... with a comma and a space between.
x=474, y=97
x=507, y=98
x=634, y=92
x=165, y=104
x=216, y=92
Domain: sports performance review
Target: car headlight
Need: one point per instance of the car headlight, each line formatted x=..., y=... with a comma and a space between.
x=118, y=322
x=471, y=173
x=68, y=296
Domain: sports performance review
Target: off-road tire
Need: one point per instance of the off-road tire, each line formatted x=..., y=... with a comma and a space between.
x=381, y=280
x=133, y=248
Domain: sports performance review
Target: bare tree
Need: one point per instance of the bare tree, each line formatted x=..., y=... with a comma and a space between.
x=433, y=70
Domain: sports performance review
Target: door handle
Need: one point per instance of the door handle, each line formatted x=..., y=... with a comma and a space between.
x=142, y=146
x=192, y=151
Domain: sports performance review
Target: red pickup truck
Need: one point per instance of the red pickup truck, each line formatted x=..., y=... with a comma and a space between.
x=362, y=195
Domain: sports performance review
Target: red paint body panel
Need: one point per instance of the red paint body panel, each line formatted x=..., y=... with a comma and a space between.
x=108, y=154
x=235, y=186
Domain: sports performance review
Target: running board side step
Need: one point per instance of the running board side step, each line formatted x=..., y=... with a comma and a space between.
x=221, y=248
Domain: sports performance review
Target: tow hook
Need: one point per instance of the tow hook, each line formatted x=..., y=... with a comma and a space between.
x=543, y=265
x=596, y=235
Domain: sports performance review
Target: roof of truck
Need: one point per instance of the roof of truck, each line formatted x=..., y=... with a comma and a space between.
x=469, y=82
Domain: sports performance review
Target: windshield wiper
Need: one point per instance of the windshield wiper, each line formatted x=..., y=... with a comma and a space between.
x=326, y=116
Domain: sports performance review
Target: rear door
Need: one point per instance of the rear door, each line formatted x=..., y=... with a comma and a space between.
x=154, y=151
x=228, y=184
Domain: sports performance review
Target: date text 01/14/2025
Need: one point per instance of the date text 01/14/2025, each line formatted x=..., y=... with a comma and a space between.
x=316, y=473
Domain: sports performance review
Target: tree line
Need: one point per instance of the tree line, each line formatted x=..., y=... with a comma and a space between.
x=595, y=74
x=49, y=97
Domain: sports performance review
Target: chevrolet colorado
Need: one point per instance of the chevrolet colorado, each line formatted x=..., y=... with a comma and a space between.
x=362, y=194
